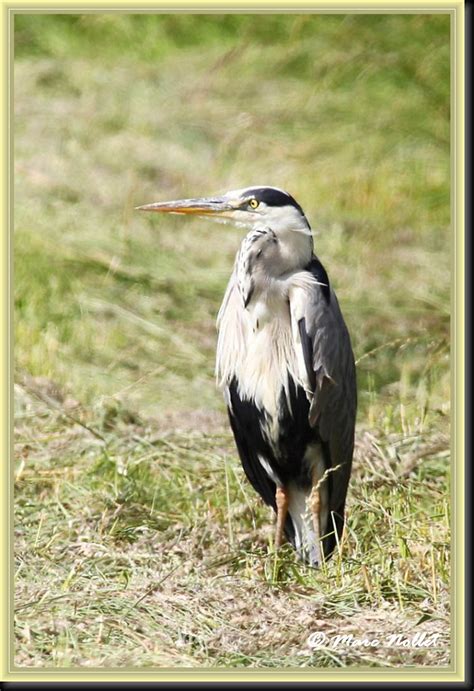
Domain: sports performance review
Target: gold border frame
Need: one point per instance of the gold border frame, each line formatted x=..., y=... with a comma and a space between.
x=456, y=673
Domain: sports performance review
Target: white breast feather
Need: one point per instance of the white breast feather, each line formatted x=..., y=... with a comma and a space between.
x=260, y=358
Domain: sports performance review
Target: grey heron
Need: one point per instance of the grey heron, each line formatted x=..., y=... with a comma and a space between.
x=286, y=367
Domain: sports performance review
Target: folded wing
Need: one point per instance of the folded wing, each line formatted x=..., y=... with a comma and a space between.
x=327, y=364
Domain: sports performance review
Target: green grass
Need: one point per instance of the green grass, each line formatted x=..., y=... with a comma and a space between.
x=138, y=540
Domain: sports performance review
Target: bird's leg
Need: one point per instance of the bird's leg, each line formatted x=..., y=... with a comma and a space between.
x=282, y=501
x=314, y=507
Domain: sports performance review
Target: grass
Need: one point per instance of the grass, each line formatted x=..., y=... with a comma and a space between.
x=138, y=540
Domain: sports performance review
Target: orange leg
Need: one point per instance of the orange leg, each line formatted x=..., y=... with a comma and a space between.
x=282, y=501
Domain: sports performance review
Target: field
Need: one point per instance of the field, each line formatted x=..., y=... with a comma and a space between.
x=138, y=541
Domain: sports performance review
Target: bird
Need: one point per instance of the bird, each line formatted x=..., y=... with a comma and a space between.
x=285, y=365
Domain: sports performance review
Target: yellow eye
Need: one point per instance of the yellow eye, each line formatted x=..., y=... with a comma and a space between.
x=253, y=203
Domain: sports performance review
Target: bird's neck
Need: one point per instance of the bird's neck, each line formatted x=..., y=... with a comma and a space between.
x=296, y=248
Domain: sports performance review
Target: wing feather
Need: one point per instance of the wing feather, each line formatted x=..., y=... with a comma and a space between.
x=329, y=362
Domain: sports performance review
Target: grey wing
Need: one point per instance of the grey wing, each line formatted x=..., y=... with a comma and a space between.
x=331, y=378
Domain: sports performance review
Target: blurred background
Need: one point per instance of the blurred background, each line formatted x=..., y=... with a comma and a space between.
x=138, y=540
x=348, y=113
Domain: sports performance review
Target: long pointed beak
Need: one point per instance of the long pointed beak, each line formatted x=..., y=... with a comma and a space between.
x=207, y=206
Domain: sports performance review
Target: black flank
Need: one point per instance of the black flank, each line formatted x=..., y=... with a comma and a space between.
x=249, y=425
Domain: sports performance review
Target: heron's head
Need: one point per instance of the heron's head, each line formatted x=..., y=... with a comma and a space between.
x=250, y=207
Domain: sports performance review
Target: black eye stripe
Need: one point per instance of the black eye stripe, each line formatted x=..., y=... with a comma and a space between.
x=273, y=197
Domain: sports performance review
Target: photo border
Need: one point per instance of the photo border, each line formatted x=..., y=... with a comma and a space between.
x=423, y=675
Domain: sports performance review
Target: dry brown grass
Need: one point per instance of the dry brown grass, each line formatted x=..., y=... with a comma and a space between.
x=110, y=572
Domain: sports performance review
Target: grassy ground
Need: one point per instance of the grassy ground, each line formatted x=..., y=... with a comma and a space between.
x=138, y=540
